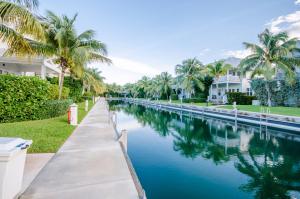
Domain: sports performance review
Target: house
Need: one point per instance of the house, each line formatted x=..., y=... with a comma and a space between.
x=29, y=67
x=233, y=81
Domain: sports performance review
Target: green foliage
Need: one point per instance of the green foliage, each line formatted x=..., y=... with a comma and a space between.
x=53, y=108
x=54, y=92
x=240, y=98
x=27, y=98
x=21, y=97
x=174, y=96
x=282, y=93
x=194, y=100
x=75, y=87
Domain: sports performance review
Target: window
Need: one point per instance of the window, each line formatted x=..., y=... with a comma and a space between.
x=237, y=90
x=249, y=92
x=233, y=90
x=1, y=72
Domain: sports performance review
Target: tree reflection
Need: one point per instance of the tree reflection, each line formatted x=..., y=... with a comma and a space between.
x=272, y=164
x=272, y=174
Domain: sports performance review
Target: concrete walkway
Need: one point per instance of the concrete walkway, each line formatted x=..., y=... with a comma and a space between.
x=90, y=164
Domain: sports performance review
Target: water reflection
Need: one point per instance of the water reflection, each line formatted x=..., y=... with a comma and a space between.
x=271, y=161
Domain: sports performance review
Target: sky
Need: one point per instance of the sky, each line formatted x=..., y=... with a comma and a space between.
x=147, y=37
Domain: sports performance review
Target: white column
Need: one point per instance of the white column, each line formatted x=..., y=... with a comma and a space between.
x=227, y=81
x=43, y=71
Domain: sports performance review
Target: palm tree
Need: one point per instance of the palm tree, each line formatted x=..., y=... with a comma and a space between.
x=274, y=53
x=18, y=20
x=165, y=84
x=71, y=51
x=93, y=81
x=218, y=69
x=190, y=73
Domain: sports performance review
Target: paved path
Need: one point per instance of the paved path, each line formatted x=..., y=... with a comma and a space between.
x=90, y=164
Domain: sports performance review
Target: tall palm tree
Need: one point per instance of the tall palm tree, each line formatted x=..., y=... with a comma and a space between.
x=274, y=53
x=71, y=51
x=18, y=20
x=218, y=69
x=165, y=84
x=190, y=73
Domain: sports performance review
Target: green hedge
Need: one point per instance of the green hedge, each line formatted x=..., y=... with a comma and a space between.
x=21, y=97
x=240, y=98
x=27, y=98
x=194, y=100
x=174, y=97
x=54, y=108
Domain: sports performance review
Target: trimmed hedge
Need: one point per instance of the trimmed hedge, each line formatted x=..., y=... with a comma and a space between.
x=21, y=97
x=194, y=100
x=240, y=98
x=54, y=108
x=27, y=98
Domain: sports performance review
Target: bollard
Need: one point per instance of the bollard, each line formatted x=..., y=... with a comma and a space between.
x=123, y=139
x=86, y=108
x=73, y=114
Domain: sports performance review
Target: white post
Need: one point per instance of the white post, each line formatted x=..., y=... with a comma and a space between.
x=86, y=108
x=123, y=139
x=73, y=114
x=43, y=71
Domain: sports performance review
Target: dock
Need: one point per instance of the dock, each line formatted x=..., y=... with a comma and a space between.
x=90, y=164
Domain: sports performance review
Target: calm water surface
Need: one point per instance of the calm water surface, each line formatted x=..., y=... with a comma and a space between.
x=179, y=156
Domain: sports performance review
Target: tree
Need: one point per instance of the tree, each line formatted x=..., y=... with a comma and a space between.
x=218, y=69
x=165, y=84
x=93, y=81
x=18, y=20
x=274, y=53
x=71, y=51
x=190, y=73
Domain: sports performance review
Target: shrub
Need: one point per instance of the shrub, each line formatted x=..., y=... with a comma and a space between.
x=174, y=97
x=54, y=92
x=54, y=108
x=21, y=97
x=240, y=98
x=282, y=93
x=194, y=100
x=75, y=87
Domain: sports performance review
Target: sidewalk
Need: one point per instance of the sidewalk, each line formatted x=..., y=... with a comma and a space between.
x=90, y=164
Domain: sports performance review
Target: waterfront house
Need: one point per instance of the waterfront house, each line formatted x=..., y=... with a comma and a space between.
x=233, y=81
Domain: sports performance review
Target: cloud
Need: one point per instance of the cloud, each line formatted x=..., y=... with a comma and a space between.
x=125, y=70
x=297, y=2
x=289, y=23
x=237, y=53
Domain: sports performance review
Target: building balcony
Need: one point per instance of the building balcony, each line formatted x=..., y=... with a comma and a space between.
x=229, y=79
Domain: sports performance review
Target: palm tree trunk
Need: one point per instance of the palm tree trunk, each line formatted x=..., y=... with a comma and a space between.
x=268, y=94
x=61, y=84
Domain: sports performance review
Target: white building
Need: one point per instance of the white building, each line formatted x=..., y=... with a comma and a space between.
x=29, y=67
x=231, y=82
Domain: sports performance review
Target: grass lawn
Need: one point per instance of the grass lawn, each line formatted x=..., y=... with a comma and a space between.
x=47, y=135
x=291, y=111
x=179, y=102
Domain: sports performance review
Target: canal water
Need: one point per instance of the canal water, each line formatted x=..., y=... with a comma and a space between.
x=181, y=156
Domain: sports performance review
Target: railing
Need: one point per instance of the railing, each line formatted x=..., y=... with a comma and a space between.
x=231, y=79
x=277, y=121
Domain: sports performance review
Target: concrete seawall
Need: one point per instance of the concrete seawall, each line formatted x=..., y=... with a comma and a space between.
x=90, y=164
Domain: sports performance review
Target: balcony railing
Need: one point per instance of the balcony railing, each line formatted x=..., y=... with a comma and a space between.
x=231, y=79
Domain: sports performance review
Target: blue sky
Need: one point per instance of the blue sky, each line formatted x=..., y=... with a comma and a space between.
x=148, y=37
